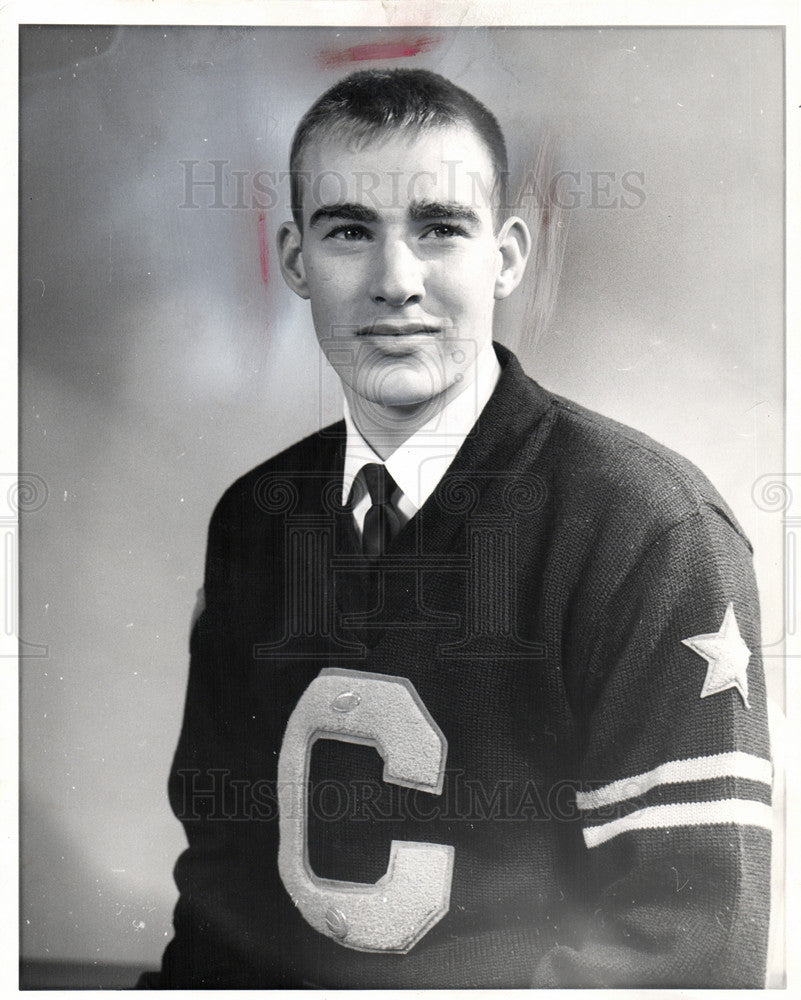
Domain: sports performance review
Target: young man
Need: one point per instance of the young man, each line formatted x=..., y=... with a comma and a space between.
x=476, y=696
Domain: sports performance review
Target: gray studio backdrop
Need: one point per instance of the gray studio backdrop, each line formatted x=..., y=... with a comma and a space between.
x=161, y=356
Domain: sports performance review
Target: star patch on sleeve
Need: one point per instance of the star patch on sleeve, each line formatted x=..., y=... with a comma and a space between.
x=727, y=656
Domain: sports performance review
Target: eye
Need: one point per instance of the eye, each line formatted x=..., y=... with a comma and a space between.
x=349, y=233
x=444, y=231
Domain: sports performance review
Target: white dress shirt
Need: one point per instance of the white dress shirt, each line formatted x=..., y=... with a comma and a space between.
x=421, y=461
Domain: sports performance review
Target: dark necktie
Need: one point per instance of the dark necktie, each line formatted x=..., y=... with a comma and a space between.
x=381, y=522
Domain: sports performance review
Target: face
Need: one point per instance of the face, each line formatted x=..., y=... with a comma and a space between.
x=401, y=262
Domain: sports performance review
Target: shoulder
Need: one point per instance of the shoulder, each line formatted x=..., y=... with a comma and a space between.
x=597, y=470
x=600, y=464
x=277, y=483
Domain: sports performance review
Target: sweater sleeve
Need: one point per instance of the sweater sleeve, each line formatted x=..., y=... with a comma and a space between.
x=215, y=902
x=675, y=775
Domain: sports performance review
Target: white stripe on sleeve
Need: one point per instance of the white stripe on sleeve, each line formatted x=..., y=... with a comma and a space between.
x=744, y=812
x=723, y=765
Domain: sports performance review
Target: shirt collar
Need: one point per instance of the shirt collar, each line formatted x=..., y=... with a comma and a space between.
x=421, y=461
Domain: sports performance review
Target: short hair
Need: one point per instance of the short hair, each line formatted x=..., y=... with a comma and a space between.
x=372, y=102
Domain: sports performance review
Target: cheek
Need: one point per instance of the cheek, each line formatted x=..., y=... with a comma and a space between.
x=470, y=275
x=323, y=278
x=331, y=292
x=470, y=290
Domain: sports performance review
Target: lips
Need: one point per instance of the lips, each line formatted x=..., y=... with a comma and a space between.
x=395, y=329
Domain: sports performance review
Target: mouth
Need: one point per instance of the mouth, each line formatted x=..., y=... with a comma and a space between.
x=404, y=329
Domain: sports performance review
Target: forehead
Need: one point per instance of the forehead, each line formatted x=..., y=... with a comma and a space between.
x=392, y=170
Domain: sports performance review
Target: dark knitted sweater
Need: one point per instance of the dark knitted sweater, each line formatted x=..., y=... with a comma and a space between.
x=604, y=786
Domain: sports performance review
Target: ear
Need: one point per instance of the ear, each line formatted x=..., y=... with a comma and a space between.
x=514, y=246
x=290, y=257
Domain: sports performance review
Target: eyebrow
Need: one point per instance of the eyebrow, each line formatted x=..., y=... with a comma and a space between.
x=344, y=210
x=420, y=211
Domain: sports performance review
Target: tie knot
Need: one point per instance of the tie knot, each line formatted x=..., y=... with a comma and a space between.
x=380, y=485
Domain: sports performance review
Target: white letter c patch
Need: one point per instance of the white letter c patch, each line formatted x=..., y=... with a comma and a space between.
x=386, y=713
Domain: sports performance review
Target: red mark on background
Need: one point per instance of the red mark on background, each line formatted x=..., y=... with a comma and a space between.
x=264, y=250
x=331, y=58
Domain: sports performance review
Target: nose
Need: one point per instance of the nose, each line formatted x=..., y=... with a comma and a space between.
x=398, y=275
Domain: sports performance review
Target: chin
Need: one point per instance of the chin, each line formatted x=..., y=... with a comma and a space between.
x=399, y=390
x=407, y=392
x=400, y=384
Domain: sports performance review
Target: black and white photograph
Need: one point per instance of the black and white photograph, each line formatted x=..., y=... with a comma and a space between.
x=404, y=524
